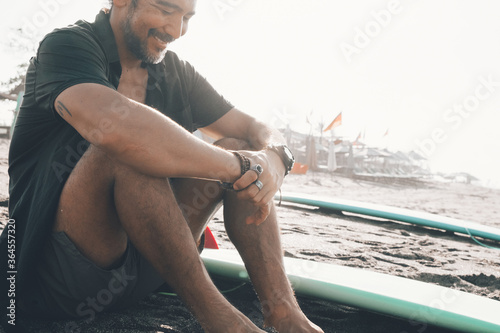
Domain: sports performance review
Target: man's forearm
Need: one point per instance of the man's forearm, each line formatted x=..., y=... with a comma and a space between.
x=260, y=135
x=141, y=137
x=152, y=143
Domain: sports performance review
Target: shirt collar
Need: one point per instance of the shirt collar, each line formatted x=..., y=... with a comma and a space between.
x=103, y=30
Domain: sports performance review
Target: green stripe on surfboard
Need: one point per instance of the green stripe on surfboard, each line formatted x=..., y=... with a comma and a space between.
x=397, y=214
x=382, y=293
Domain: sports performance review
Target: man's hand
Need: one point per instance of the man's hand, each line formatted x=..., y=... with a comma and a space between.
x=271, y=178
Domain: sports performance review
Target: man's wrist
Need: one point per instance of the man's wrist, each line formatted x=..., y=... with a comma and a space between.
x=285, y=155
x=244, y=162
x=241, y=166
x=276, y=160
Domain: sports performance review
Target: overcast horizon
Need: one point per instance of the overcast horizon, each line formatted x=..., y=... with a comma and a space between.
x=426, y=71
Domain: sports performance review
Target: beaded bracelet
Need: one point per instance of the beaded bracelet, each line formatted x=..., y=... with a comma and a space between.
x=244, y=162
x=245, y=166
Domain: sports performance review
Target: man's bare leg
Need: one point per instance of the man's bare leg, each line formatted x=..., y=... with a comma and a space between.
x=260, y=249
x=105, y=203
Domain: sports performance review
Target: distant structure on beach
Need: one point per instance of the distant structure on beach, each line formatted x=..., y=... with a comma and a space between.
x=358, y=160
x=354, y=158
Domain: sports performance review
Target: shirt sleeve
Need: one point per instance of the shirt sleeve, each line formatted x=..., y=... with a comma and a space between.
x=66, y=58
x=207, y=105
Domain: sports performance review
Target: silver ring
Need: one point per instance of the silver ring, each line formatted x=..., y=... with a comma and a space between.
x=257, y=168
x=259, y=184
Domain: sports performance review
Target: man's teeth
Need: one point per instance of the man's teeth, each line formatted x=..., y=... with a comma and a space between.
x=162, y=41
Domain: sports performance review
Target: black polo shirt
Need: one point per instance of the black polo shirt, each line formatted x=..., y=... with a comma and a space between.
x=45, y=148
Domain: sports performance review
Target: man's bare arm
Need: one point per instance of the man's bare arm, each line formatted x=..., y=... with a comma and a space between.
x=259, y=135
x=236, y=124
x=140, y=136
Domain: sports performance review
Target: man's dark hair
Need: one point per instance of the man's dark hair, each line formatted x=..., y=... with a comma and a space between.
x=134, y=2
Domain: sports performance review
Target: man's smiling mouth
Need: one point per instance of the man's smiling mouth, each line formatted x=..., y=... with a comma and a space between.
x=162, y=38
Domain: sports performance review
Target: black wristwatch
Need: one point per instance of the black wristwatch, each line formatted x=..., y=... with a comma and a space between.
x=285, y=154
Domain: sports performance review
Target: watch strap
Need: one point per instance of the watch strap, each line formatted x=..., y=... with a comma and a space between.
x=280, y=151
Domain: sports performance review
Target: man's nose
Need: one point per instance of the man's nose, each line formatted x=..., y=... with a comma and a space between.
x=176, y=27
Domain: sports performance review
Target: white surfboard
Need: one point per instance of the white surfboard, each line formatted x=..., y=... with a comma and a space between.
x=382, y=293
x=397, y=214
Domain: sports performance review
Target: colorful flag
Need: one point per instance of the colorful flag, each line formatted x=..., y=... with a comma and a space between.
x=357, y=142
x=335, y=123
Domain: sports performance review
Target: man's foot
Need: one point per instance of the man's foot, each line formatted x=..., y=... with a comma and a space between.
x=232, y=322
x=293, y=321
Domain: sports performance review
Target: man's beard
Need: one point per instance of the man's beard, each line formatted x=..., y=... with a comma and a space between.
x=139, y=48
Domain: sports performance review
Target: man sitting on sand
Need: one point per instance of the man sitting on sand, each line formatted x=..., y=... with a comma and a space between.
x=110, y=192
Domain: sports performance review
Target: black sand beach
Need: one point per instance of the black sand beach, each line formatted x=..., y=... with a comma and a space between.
x=400, y=249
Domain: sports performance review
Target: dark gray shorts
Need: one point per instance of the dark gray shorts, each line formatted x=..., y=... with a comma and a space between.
x=71, y=286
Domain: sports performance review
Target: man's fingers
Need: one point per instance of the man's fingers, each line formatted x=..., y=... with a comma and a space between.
x=260, y=215
x=249, y=193
x=245, y=181
x=264, y=213
x=269, y=197
x=259, y=197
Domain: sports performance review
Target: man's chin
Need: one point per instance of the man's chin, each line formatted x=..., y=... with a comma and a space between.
x=155, y=58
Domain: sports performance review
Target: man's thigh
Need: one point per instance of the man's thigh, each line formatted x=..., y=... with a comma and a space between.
x=68, y=285
x=86, y=210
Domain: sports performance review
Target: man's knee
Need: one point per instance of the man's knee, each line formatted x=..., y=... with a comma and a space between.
x=95, y=156
x=95, y=172
x=101, y=164
x=233, y=144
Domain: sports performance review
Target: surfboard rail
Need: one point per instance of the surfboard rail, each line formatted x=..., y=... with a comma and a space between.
x=397, y=214
x=405, y=298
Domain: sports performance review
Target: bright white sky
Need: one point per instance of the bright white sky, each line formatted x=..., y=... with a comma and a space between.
x=400, y=65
